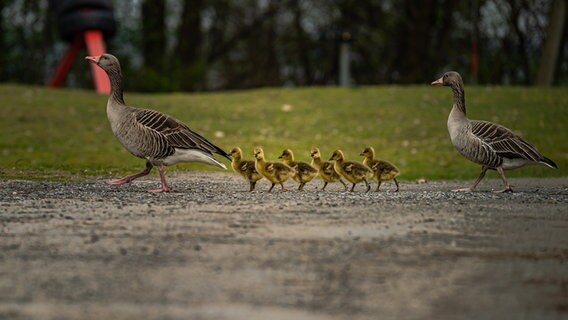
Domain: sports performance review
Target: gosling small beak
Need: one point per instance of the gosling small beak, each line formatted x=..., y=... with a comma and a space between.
x=94, y=59
x=438, y=82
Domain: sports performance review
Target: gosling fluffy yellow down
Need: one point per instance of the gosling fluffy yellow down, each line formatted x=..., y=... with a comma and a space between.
x=275, y=172
x=244, y=167
x=304, y=171
x=382, y=169
x=353, y=171
x=325, y=169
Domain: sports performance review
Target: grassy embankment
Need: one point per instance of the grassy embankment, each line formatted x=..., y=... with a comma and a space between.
x=64, y=134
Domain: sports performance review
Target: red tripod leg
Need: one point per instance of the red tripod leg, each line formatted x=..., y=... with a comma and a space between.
x=95, y=47
x=65, y=63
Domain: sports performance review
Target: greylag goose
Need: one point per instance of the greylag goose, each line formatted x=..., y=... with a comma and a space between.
x=325, y=169
x=275, y=172
x=353, y=171
x=489, y=144
x=148, y=134
x=304, y=171
x=382, y=169
x=244, y=167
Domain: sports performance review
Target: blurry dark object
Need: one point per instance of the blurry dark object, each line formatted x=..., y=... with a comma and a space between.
x=549, y=58
x=84, y=23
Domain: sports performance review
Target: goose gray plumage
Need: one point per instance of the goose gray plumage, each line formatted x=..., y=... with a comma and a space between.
x=491, y=145
x=148, y=134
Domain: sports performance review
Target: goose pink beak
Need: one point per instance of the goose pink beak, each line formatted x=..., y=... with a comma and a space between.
x=95, y=59
x=438, y=82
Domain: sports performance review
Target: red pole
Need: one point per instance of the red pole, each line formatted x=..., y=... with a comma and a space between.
x=95, y=47
x=65, y=63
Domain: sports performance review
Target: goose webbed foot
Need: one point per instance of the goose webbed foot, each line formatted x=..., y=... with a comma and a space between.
x=118, y=181
x=160, y=190
x=164, y=187
x=507, y=189
x=463, y=190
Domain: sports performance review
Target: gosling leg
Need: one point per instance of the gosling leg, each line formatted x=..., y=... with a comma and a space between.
x=397, y=185
x=368, y=185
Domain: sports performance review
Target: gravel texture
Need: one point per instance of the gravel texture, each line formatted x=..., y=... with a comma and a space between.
x=211, y=250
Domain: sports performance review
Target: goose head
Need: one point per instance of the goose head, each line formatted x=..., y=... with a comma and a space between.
x=315, y=153
x=258, y=153
x=337, y=155
x=236, y=153
x=287, y=155
x=369, y=152
x=449, y=79
x=106, y=61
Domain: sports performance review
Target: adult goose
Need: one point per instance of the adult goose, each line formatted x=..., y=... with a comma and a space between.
x=486, y=143
x=148, y=134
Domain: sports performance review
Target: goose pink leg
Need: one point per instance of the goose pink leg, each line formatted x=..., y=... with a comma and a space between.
x=128, y=179
x=505, y=182
x=165, y=187
x=481, y=175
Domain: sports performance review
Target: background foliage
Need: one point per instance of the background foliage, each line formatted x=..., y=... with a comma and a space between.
x=181, y=45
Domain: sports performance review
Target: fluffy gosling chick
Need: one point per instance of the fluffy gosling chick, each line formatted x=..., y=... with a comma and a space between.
x=275, y=172
x=325, y=169
x=382, y=169
x=353, y=171
x=244, y=167
x=304, y=171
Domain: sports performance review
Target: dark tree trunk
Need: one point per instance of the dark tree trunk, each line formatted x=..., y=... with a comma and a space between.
x=188, y=50
x=302, y=42
x=553, y=44
x=189, y=32
x=423, y=36
x=153, y=34
x=2, y=43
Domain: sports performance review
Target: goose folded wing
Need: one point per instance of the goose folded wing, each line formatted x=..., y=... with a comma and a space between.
x=247, y=166
x=327, y=168
x=504, y=141
x=177, y=134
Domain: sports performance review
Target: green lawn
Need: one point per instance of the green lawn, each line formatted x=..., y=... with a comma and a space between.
x=64, y=134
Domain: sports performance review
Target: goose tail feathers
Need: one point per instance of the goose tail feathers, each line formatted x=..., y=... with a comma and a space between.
x=549, y=163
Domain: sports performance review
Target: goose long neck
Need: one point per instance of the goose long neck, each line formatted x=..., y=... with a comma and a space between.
x=115, y=77
x=459, y=97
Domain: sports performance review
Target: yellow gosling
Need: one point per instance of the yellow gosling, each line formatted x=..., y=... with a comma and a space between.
x=304, y=171
x=275, y=172
x=244, y=167
x=325, y=169
x=353, y=171
x=382, y=169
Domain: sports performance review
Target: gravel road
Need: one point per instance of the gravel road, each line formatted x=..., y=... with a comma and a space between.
x=211, y=250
